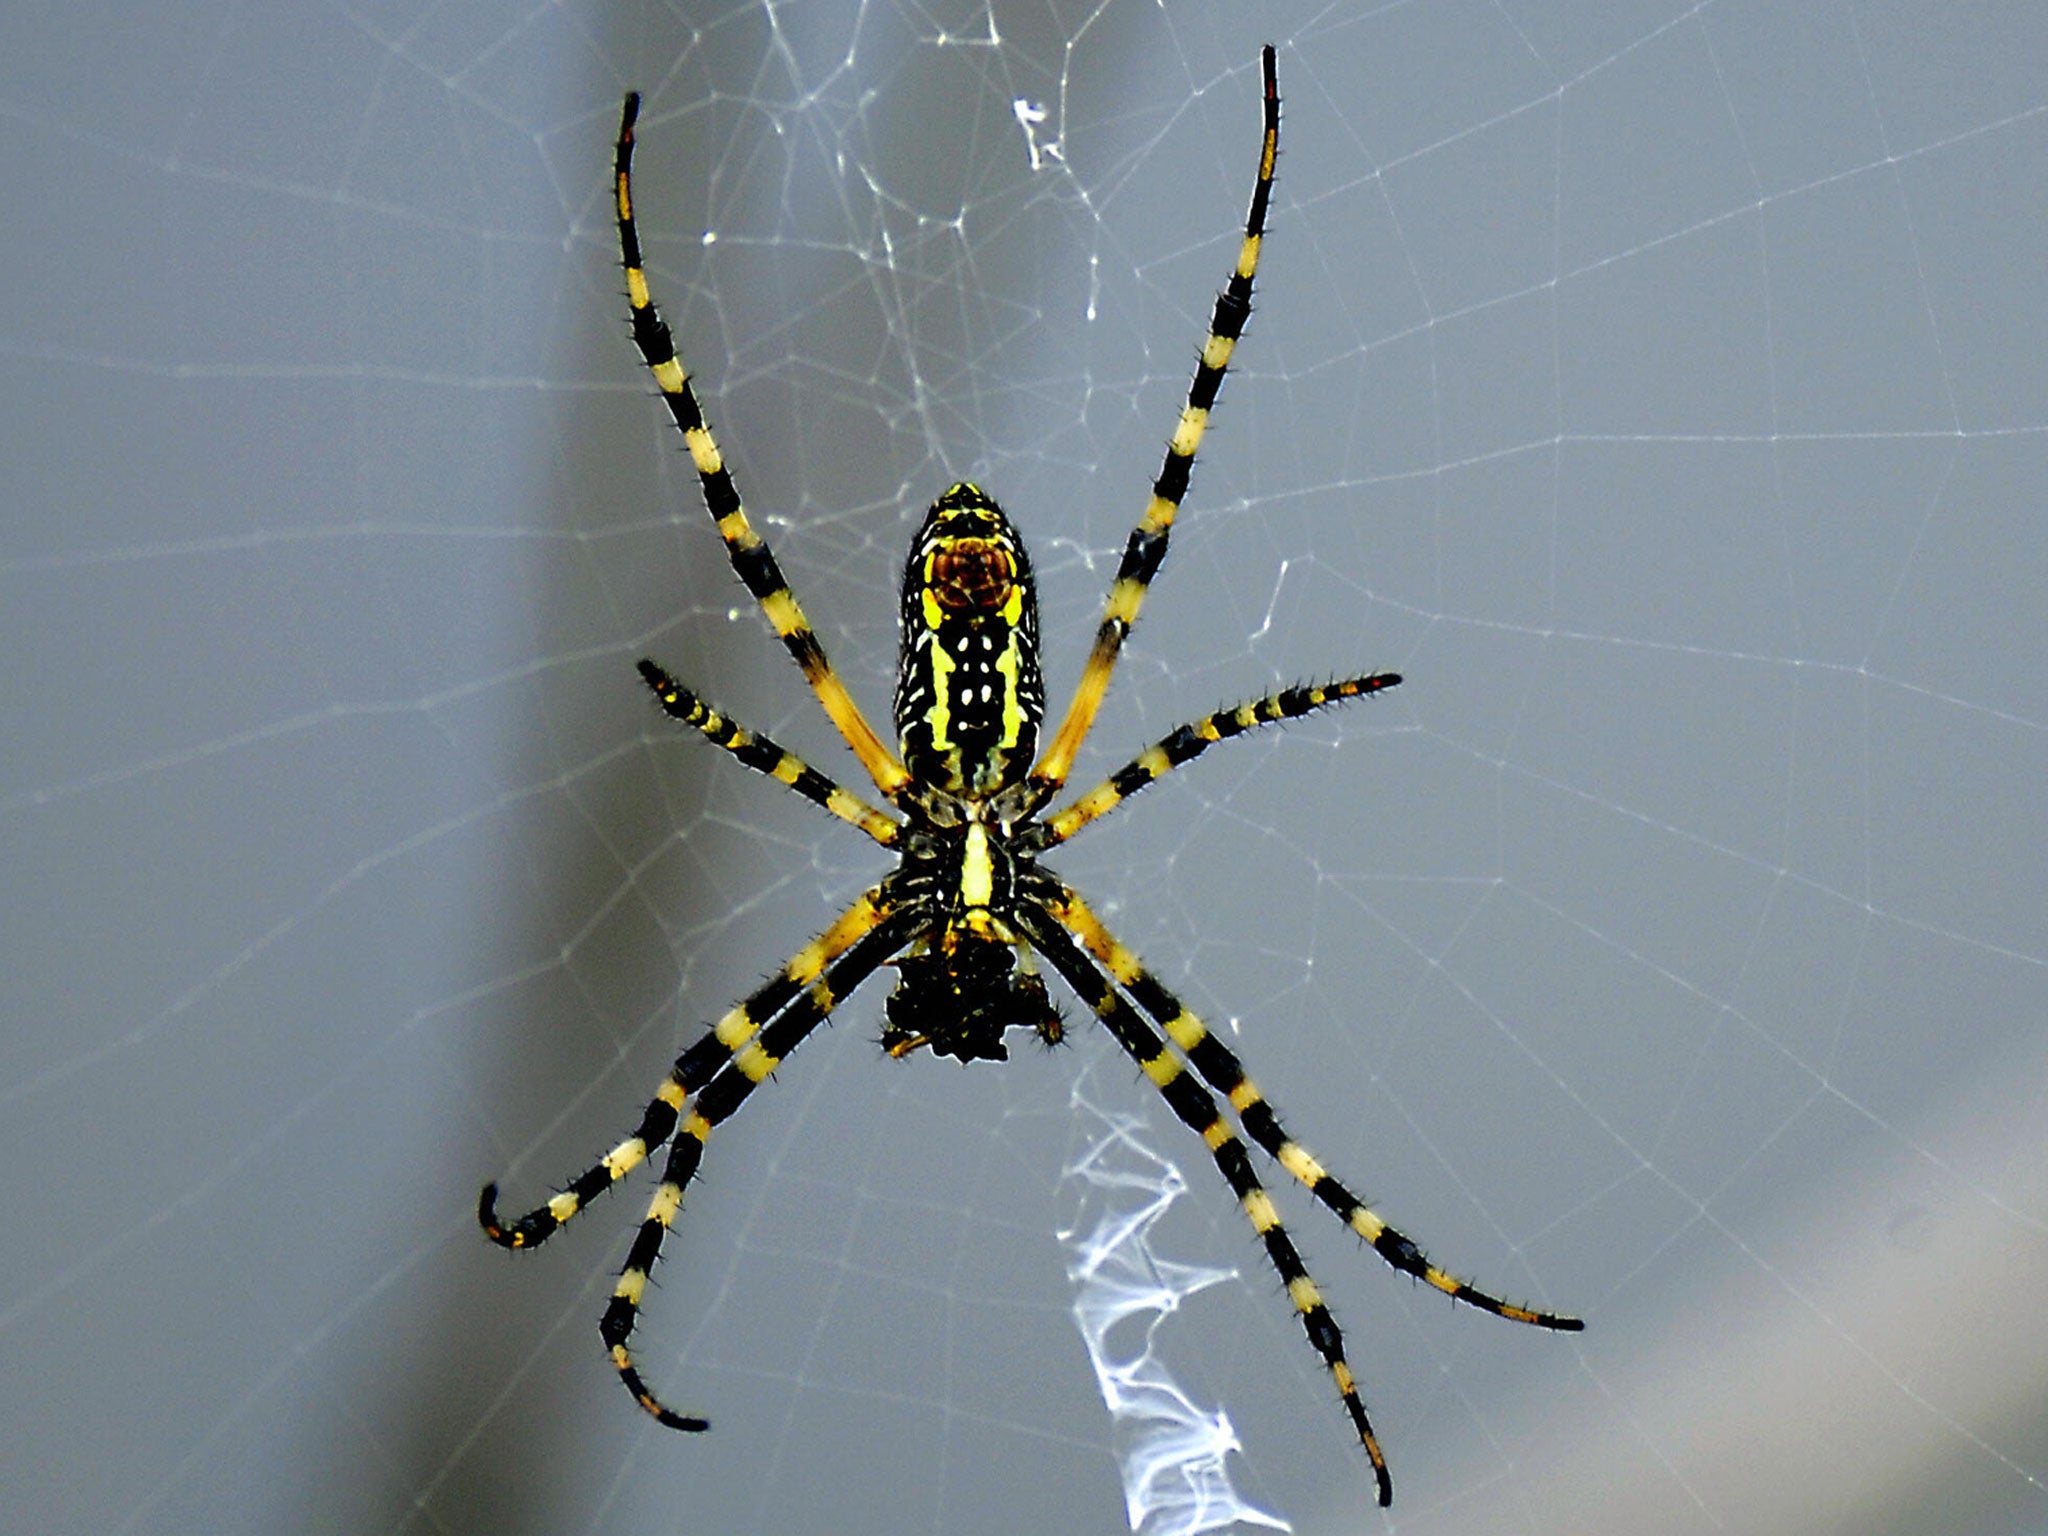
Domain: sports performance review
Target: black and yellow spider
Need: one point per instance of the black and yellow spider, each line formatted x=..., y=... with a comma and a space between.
x=969, y=903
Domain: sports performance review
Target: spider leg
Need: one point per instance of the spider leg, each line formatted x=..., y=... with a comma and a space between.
x=765, y=756
x=1220, y=1067
x=1190, y=741
x=752, y=560
x=714, y=1102
x=1147, y=546
x=1198, y=1111
x=730, y=1039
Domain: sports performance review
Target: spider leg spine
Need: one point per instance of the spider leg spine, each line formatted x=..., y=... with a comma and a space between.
x=1220, y=1067
x=1187, y=742
x=766, y=756
x=1099, y=990
x=751, y=559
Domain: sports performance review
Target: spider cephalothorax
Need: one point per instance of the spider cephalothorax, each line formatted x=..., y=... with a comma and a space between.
x=968, y=910
x=970, y=979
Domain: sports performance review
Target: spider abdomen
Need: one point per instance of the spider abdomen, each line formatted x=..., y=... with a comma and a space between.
x=969, y=696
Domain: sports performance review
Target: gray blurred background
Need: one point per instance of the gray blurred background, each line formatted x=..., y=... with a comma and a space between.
x=1662, y=388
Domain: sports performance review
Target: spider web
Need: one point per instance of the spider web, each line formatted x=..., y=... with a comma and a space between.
x=1659, y=388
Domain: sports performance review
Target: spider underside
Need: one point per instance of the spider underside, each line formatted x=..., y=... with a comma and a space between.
x=969, y=910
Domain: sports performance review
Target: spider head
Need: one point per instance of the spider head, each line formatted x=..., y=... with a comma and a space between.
x=969, y=696
x=961, y=996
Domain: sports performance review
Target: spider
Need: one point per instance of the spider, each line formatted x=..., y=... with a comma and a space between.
x=969, y=908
